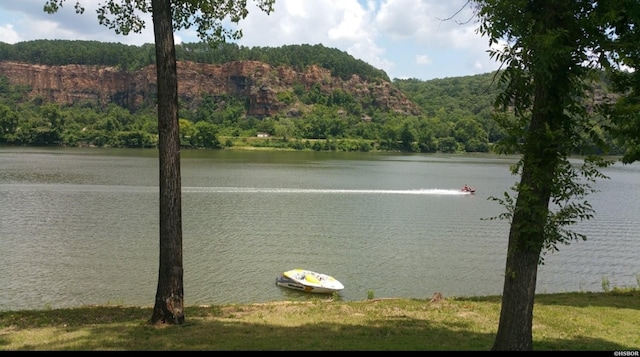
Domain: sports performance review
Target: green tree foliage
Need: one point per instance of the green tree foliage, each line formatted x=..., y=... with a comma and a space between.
x=206, y=134
x=625, y=113
x=63, y=52
x=8, y=123
x=131, y=57
x=626, y=125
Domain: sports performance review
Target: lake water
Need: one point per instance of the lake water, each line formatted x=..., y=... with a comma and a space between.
x=80, y=226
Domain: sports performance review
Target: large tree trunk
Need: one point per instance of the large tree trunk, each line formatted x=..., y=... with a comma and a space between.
x=518, y=296
x=541, y=156
x=169, y=302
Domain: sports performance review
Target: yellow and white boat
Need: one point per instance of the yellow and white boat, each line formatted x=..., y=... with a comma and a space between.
x=309, y=281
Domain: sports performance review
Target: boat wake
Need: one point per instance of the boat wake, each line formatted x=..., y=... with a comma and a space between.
x=154, y=189
x=431, y=191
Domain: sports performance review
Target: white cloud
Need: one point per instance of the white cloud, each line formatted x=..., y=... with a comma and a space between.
x=402, y=19
x=353, y=25
x=8, y=35
x=423, y=60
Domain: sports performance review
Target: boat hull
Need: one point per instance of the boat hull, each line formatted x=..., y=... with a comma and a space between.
x=309, y=281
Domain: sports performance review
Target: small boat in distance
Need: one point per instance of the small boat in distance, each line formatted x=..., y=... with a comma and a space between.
x=466, y=188
x=309, y=281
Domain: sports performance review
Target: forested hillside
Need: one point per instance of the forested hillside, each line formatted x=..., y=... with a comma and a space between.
x=63, y=52
x=455, y=98
x=455, y=113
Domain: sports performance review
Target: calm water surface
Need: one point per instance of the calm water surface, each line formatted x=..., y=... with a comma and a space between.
x=80, y=226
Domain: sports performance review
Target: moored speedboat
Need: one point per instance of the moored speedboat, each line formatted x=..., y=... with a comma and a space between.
x=309, y=281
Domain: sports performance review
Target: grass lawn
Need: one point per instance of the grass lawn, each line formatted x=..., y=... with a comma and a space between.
x=568, y=321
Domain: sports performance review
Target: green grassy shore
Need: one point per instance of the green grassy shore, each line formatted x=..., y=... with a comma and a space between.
x=567, y=321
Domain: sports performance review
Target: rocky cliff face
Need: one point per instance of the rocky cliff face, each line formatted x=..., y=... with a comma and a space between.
x=257, y=81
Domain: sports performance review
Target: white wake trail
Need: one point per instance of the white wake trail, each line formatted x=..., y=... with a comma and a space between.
x=422, y=191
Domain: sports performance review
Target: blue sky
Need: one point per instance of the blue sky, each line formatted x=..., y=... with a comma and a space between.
x=405, y=38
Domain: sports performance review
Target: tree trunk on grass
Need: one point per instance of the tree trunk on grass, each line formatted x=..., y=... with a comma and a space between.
x=169, y=302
